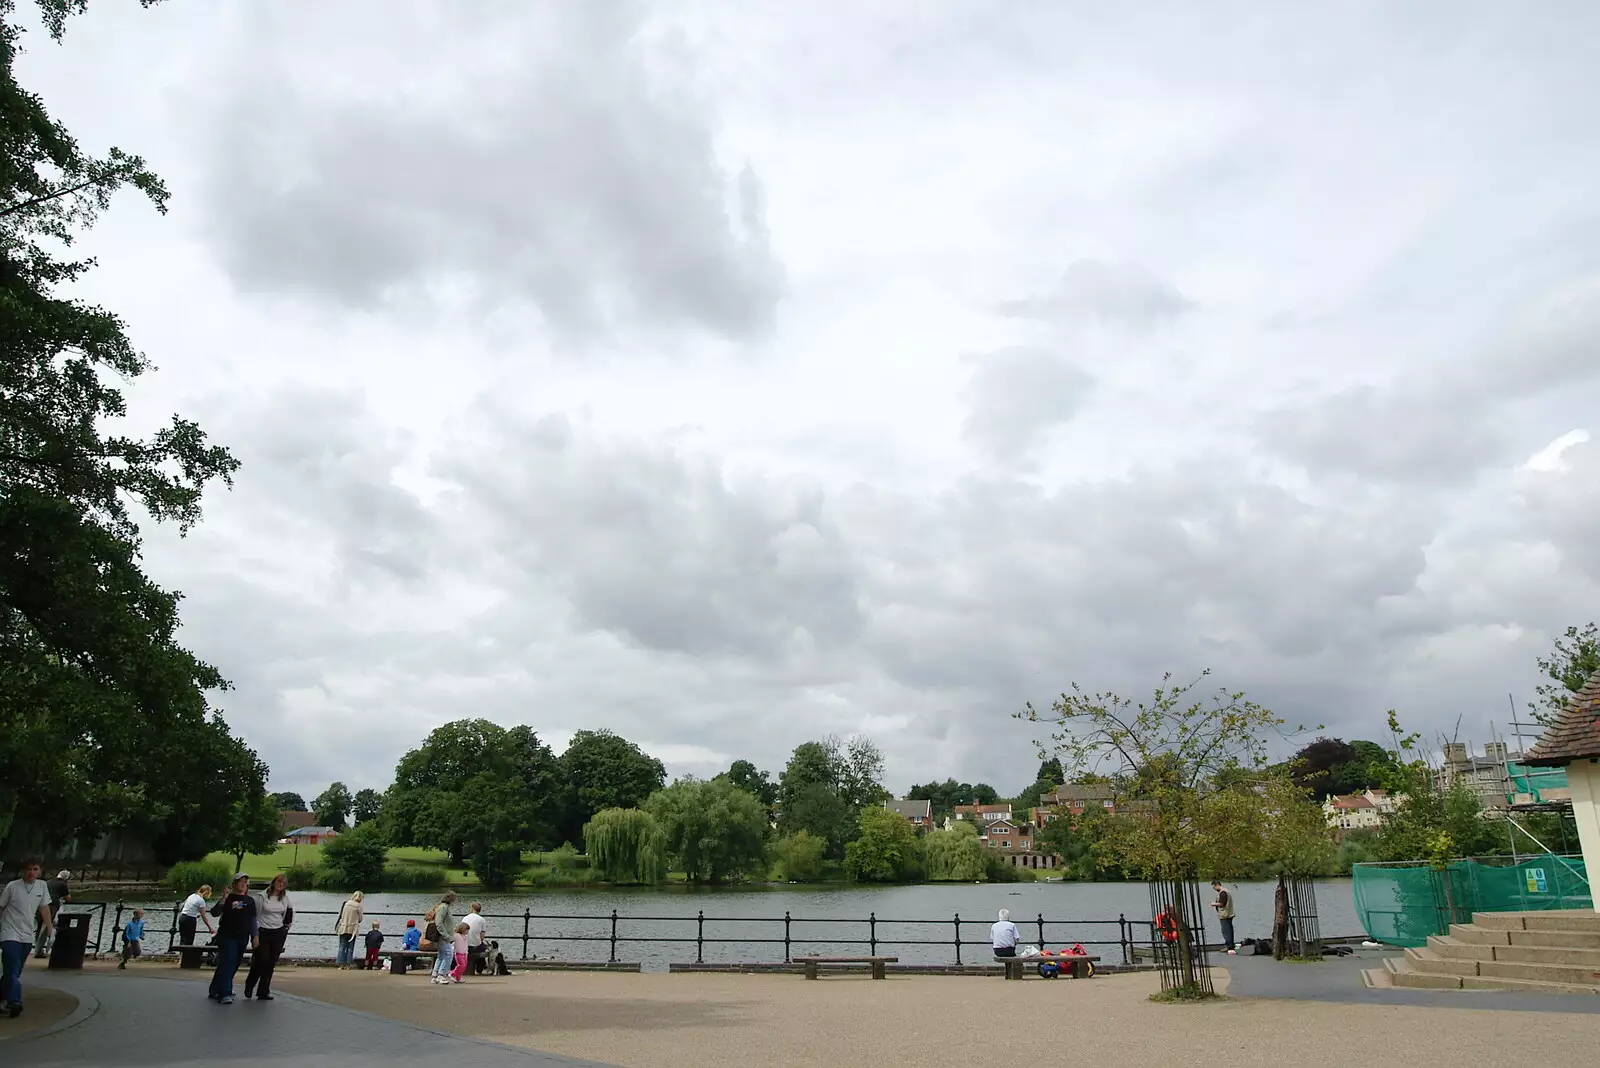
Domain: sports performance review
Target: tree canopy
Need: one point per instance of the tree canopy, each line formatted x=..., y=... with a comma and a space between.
x=626, y=845
x=713, y=830
x=1574, y=659
x=288, y=801
x=885, y=850
x=604, y=771
x=756, y=783
x=366, y=805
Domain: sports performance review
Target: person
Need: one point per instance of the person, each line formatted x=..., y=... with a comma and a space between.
x=475, y=940
x=444, y=917
x=60, y=890
x=132, y=938
x=1224, y=906
x=275, y=914
x=444, y=955
x=458, y=946
x=347, y=926
x=374, y=946
x=413, y=939
x=24, y=903
x=193, y=911
x=1004, y=935
x=237, y=927
x=430, y=934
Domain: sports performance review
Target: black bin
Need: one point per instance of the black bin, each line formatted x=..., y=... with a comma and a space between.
x=72, y=938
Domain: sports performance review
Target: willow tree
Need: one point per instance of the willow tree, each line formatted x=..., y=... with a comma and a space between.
x=954, y=856
x=626, y=845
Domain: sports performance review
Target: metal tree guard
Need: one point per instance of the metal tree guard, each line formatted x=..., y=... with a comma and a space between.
x=1296, y=932
x=1178, y=937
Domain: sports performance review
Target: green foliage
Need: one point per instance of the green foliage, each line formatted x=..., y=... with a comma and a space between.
x=1358, y=847
x=712, y=830
x=885, y=851
x=105, y=717
x=355, y=859
x=1077, y=840
x=798, y=858
x=820, y=811
x=1032, y=797
x=945, y=796
x=1329, y=766
x=412, y=877
x=752, y=781
x=626, y=845
x=1574, y=659
x=331, y=808
x=301, y=877
x=186, y=876
x=1295, y=836
x=997, y=868
x=254, y=825
x=954, y=856
x=288, y=801
x=605, y=771
x=367, y=805
x=827, y=785
x=1172, y=752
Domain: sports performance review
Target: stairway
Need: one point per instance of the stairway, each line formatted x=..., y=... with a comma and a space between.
x=1556, y=952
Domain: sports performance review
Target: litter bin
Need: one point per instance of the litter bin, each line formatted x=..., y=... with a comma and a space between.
x=72, y=938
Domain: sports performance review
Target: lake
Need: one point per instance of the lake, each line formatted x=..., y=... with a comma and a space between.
x=915, y=922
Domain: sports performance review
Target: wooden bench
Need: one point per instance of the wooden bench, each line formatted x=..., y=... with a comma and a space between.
x=814, y=965
x=1079, y=965
x=403, y=960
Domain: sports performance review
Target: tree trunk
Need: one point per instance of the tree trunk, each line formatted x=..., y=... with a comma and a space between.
x=1280, y=920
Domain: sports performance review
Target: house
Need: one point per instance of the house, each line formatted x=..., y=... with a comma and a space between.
x=289, y=820
x=1365, y=811
x=1075, y=799
x=309, y=836
x=984, y=814
x=920, y=813
x=1016, y=840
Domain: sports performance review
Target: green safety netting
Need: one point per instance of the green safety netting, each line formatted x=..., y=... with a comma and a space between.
x=1533, y=782
x=1403, y=903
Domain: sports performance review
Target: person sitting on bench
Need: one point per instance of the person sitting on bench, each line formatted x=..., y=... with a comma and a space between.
x=1004, y=935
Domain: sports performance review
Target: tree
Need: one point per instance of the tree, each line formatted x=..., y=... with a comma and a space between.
x=355, y=859
x=1077, y=842
x=491, y=819
x=953, y=856
x=331, y=808
x=254, y=826
x=860, y=765
x=1317, y=766
x=605, y=770
x=1430, y=820
x=366, y=805
x=289, y=802
x=1575, y=658
x=713, y=830
x=826, y=785
x=797, y=858
x=984, y=794
x=885, y=851
x=757, y=784
x=819, y=811
x=1295, y=836
x=92, y=679
x=626, y=845
x=1050, y=771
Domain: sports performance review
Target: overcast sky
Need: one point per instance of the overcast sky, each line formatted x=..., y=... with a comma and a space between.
x=729, y=374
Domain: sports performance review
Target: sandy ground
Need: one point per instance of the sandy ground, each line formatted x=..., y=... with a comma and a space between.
x=707, y=1021
x=43, y=1008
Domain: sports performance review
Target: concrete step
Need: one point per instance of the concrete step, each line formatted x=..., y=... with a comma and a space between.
x=1456, y=949
x=1429, y=962
x=1466, y=932
x=1542, y=954
x=1377, y=978
x=1527, y=986
x=1573, y=974
x=1401, y=975
x=1585, y=920
x=1569, y=939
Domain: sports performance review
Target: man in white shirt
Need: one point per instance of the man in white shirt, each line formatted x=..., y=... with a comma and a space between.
x=1004, y=935
x=24, y=903
x=476, y=926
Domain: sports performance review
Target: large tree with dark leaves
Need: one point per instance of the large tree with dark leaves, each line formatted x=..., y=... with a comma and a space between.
x=104, y=717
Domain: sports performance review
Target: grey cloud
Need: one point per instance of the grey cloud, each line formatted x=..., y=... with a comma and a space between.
x=1017, y=395
x=1563, y=509
x=584, y=183
x=1115, y=294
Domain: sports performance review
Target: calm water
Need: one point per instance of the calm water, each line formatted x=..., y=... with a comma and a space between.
x=751, y=920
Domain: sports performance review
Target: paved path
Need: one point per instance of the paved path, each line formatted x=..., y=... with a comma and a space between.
x=150, y=1021
x=1339, y=979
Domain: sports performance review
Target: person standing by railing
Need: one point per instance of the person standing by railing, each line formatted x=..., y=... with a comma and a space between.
x=23, y=903
x=192, y=912
x=236, y=928
x=275, y=911
x=347, y=926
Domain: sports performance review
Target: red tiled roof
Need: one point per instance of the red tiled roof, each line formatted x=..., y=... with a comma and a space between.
x=289, y=819
x=1575, y=735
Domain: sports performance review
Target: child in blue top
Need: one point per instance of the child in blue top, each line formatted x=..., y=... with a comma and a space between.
x=413, y=936
x=132, y=937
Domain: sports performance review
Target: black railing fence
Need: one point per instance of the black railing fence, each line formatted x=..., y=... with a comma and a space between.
x=616, y=932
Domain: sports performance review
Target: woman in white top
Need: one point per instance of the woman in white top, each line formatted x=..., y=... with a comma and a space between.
x=347, y=926
x=274, y=914
x=191, y=913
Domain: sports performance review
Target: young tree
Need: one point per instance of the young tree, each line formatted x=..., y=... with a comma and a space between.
x=713, y=830
x=797, y=858
x=254, y=825
x=1575, y=658
x=355, y=859
x=626, y=845
x=331, y=808
x=367, y=804
x=885, y=851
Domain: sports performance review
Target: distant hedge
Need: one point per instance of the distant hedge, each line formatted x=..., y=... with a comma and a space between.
x=187, y=876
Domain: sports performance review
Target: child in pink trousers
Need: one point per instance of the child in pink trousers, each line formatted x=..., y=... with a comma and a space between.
x=459, y=943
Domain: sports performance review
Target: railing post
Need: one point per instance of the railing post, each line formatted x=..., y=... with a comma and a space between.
x=116, y=927
x=958, y=938
x=613, y=936
x=700, y=938
x=1041, y=930
x=527, y=914
x=872, y=933
x=786, y=937
x=172, y=932
x=1122, y=935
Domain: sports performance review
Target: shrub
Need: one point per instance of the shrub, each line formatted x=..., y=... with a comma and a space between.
x=355, y=859
x=798, y=857
x=301, y=876
x=997, y=869
x=187, y=875
x=407, y=877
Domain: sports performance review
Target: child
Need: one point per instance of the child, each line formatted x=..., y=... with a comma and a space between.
x=374, y=943
x=459, y=945
x=413, y=936
x=132, y=936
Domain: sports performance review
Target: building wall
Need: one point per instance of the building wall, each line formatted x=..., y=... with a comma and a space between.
x=1583, y=777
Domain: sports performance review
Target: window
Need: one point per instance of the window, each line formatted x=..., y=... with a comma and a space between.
x=1106, y=803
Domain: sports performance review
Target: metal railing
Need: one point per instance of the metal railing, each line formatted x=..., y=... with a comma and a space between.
x=614, y=931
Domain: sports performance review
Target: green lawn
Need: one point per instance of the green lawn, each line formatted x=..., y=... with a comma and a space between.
x=265, y=865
